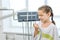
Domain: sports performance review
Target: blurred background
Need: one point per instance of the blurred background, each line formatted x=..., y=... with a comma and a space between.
x=12, y=29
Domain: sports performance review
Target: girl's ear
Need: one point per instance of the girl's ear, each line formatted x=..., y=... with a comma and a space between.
x=49, y=14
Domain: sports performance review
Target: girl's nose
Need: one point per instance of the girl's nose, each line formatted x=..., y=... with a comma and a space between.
x=39, y=17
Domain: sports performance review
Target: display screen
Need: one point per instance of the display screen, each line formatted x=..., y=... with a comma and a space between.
x=27, y=16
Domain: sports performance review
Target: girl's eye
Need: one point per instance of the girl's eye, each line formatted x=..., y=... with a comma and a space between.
x=40, y=15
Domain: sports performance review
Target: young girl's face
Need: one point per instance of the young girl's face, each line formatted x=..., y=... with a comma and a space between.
x=43, y=16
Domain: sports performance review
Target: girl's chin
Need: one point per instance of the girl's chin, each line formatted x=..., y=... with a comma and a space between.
x=42, y=21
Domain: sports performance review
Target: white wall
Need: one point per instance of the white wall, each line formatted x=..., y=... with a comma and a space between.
x=2, y=36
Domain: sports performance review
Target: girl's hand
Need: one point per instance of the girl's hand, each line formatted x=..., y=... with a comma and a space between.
x=36, y=26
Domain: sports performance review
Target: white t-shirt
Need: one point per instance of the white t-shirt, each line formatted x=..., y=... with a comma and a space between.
x=49, y=33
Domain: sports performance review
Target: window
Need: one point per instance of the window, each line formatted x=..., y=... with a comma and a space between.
x=33, y=5
x=18, y=5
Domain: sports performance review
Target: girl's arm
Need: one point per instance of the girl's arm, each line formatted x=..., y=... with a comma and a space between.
x=36, y=29
x=35, y=33
x=55, y=33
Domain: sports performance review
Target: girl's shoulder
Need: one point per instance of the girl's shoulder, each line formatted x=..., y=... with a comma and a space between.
x=53, y=25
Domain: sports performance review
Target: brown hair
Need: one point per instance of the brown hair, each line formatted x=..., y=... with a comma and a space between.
x=47, y=9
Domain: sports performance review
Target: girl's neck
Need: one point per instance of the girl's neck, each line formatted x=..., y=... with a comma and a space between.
x=47, y=21
x=46, y=24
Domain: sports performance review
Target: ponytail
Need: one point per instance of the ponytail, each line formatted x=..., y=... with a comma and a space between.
x=52, y=16
x=52, y=19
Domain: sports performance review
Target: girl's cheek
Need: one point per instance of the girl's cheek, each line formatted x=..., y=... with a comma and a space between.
x=46, y=17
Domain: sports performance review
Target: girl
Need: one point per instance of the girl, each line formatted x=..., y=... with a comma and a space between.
x=47, y=26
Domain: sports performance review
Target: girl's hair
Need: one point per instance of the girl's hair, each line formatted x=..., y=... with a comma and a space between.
x=47, y=9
